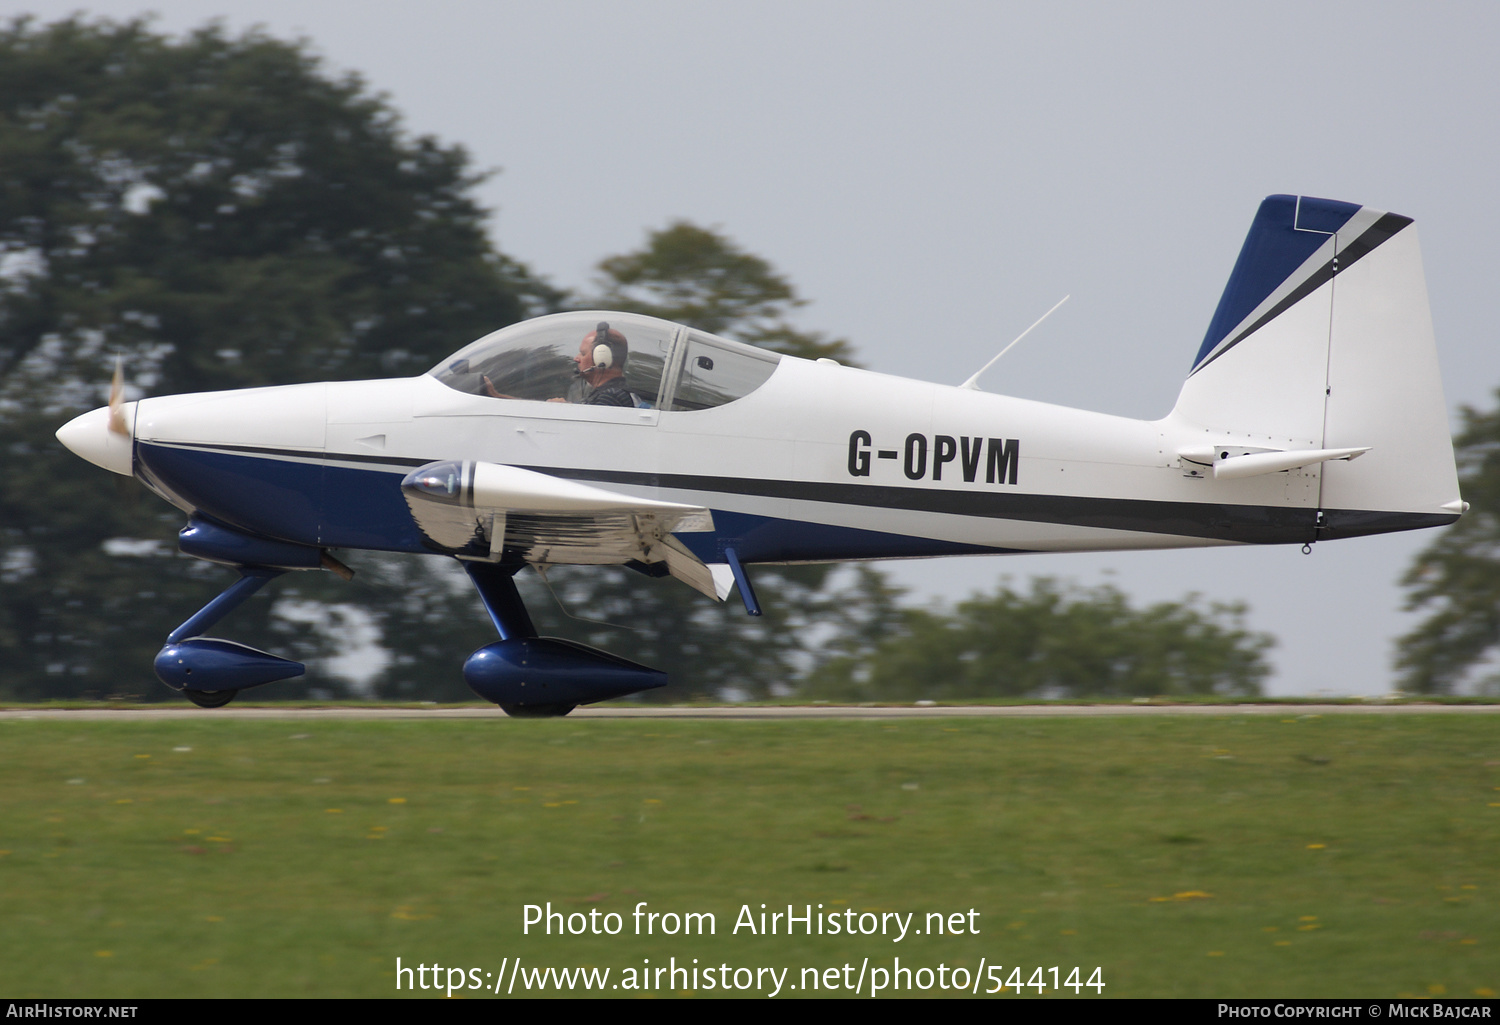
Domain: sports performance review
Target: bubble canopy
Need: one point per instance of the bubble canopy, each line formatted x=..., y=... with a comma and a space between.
x=666, y=366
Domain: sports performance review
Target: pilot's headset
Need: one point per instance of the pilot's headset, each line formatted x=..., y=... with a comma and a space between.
x=604, y=356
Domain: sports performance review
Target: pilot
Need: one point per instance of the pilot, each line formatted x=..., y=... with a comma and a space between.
x=601, y=362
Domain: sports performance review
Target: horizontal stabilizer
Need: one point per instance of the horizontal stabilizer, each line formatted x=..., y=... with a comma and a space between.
x=1257, y=463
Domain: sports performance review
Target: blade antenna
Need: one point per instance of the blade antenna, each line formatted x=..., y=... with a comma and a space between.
x=973, y=383
x=541, y=571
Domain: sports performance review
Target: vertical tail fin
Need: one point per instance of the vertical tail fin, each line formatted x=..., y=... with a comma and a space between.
x=1323, y=340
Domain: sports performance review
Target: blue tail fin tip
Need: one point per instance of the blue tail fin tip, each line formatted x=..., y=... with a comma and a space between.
x=1286, y=231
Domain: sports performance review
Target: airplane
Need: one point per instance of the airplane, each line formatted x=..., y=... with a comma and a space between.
x=1312, y=411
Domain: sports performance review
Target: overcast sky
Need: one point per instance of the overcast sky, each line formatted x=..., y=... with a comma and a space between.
x=934, y=176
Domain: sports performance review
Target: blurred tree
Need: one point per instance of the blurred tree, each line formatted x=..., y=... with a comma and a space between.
x=225, y=214
x=1457, y=576
x=700, y=278
x=1055, y=642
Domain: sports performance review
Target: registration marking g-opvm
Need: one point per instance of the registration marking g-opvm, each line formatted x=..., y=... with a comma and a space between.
x=923, y=458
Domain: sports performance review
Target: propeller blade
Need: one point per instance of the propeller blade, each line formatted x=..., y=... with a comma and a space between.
x=117, y=399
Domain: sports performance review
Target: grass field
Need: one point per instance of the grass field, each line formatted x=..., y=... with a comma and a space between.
x=1296, y=855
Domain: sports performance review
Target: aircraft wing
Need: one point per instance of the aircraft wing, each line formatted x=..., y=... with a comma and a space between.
x=482, y=510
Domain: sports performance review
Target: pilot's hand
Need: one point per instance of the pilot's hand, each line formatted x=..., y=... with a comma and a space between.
x=495, y=393
x=557, y=400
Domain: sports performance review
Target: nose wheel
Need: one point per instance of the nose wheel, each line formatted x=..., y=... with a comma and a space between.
x=210, y=698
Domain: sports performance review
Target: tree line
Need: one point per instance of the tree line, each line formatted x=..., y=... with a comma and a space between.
x=223, y=212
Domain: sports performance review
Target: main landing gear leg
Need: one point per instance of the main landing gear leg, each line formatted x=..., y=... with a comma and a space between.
x=497, y=589
x=496, y=585
x=210, y=672
x=538, y=677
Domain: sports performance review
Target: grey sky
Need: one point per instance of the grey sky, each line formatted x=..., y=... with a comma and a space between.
x=936, y=175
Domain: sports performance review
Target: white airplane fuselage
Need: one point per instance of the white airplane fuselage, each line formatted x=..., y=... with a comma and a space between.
x=821, y=463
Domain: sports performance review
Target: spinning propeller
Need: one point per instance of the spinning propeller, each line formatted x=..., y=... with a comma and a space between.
x=104, y=436
x=117, y=423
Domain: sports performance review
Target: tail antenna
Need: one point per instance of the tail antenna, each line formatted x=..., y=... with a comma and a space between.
x=972, y=384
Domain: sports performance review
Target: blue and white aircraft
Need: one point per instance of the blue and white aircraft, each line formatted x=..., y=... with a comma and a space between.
x=1313, y=410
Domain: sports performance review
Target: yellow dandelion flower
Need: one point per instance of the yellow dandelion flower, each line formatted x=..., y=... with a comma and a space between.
x=104, y=953
x=1317, y=846
x=395, y=800
x=1308, y=918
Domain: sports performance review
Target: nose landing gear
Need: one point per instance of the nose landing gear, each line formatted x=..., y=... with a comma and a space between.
x=210, y=672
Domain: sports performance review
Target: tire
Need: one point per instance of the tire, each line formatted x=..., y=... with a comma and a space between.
x=537, y=711
x=210, y=698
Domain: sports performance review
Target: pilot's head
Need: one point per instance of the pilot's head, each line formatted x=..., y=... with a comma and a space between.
x=602, y=350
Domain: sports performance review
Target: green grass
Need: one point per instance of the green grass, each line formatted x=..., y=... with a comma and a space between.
x=1228, y=856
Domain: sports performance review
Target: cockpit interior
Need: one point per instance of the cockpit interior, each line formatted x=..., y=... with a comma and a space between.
x=666, y=366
